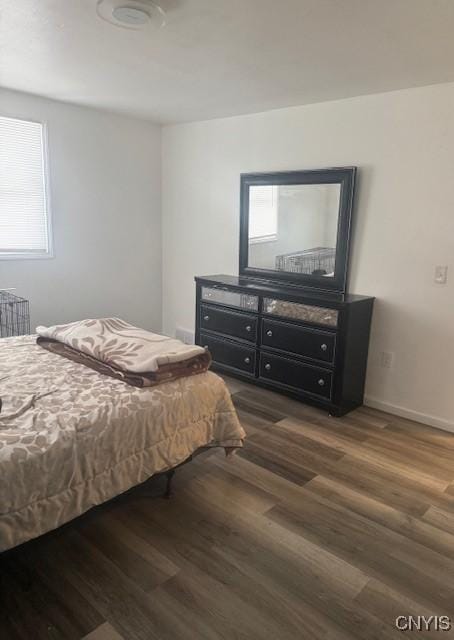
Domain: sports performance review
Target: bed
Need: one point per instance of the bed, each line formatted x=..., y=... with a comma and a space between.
x=72, y=438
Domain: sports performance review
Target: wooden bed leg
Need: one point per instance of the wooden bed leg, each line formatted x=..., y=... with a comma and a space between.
x=169, y=476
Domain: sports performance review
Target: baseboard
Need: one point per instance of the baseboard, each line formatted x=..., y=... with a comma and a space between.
x=402, y=412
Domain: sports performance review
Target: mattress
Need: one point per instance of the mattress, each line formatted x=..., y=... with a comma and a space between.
x=71, y=438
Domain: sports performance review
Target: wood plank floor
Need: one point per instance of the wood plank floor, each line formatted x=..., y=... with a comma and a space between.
x=320, y=528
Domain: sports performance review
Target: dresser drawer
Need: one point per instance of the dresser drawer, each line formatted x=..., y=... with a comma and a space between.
x=303, y=312
x=230, y=298
x=299, y=376
x=309, y=343
x=230, y=323
x=230, y=354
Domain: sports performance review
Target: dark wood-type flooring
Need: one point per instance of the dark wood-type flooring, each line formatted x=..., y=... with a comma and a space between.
x=321, y=528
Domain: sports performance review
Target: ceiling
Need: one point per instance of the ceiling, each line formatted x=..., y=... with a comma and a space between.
x=219, y=58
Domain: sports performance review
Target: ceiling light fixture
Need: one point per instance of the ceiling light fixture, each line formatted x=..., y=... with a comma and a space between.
x=131, y=14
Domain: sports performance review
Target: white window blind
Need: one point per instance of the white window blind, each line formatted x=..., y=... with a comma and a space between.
x=24, y=216
x=263, y=212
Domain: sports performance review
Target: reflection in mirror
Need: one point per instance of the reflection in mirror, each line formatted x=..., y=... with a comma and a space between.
x=293, y=228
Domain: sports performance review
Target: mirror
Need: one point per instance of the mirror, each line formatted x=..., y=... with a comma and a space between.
x=295, y=226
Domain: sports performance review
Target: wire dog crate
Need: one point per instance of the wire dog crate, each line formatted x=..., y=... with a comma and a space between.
x=14, y=315
x=320, y=259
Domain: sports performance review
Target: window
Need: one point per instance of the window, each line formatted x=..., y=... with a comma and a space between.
x=24, y=214
x=263, y=211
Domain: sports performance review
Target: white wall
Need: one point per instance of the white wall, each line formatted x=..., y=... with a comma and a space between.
x=105, y=197
x=403, y=144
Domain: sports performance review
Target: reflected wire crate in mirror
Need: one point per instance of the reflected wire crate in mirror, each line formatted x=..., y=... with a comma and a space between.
x=14, y=315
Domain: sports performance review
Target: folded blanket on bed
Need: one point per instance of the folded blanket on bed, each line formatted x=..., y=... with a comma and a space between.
x=120, y=344
x=165, y=373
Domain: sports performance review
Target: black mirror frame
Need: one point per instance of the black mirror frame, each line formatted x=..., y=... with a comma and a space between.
x=346, y=177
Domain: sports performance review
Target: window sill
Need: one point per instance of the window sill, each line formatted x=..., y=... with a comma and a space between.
x=26, y=256
x=263, y=239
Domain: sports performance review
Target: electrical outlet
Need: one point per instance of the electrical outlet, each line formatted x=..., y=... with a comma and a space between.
x=386, y=359
x=185, y=335
x=441, y=274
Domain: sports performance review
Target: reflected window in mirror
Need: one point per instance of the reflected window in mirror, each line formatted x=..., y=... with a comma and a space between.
x=263, y=213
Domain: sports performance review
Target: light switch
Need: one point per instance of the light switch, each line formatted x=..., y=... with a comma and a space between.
x=441, y=274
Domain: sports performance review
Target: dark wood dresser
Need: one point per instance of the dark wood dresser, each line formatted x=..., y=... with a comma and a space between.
x=309, y=344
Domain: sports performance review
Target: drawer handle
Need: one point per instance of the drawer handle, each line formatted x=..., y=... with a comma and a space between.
x=324, y=347
x=321, y=382
x=247, y=360
x=268, y=366
x=269, y=333
x=206, y=318
x=248, y=327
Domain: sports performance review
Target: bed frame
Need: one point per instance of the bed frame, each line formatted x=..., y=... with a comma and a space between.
x=168, y=493
x=26, y=576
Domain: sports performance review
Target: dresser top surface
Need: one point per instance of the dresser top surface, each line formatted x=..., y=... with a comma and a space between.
x=258, y=287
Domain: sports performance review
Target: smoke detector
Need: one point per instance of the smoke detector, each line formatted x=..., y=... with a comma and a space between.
x=131, y=14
